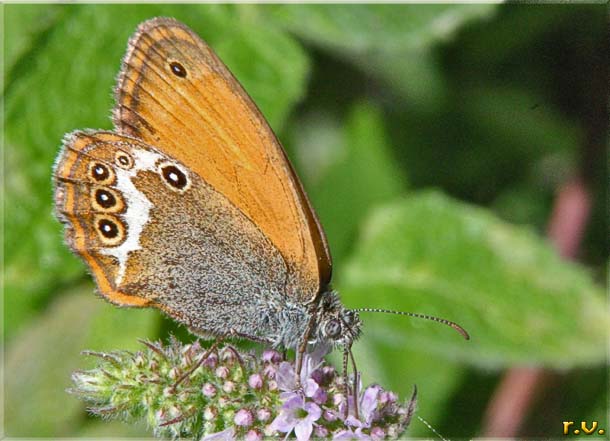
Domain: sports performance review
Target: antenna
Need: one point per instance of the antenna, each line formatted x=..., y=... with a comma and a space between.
x=430, y=427
x=455, y=326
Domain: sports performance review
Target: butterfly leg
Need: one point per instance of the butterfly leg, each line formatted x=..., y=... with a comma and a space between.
x=347, y=355
x=346, y=383
x=355, y=390
x=234, y=351
x=301, y=350
x=257, y=339
x=199, y=363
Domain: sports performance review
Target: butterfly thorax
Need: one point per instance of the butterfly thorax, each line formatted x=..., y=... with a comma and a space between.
x=335, y=324
x=326, y=322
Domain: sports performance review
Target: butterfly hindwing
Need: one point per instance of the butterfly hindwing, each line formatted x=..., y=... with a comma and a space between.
x=155, y=234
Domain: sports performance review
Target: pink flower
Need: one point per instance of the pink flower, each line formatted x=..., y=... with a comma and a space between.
x=298, y=415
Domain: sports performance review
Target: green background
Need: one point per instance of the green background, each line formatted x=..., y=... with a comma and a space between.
x=432, y=140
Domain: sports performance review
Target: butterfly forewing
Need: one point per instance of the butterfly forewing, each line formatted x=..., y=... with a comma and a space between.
x=173, y=92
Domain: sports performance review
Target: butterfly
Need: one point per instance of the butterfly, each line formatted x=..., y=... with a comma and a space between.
x=190, y=205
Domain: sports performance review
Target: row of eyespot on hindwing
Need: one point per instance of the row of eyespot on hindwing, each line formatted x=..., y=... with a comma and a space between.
x=107, y=202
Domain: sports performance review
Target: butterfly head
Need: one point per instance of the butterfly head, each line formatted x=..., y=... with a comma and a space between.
x=336, y=325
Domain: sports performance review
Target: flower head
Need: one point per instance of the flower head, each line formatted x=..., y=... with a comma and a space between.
x=188, y=391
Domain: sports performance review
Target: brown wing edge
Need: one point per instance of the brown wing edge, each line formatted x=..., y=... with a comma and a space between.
x=72, y=225
x=315, y=228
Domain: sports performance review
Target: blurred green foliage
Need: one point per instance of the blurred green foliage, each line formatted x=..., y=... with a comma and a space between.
x=495, y=106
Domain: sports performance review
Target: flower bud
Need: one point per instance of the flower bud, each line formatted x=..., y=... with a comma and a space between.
x=208, y=389
x=243, y=418
x=210, y=413
x=253, y=435
x=228, y=386
x=269, y=355
x=255, y=381
x=222, y=372
x=263, y=415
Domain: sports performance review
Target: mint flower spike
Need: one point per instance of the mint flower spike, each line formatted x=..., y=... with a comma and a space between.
x=234, y=395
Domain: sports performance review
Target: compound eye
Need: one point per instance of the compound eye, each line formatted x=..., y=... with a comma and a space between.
x=333, y=328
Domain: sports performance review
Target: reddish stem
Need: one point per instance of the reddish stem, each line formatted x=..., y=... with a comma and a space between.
x=520, y=386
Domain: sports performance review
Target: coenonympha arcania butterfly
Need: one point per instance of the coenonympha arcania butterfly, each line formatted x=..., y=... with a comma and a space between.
x=190, y=204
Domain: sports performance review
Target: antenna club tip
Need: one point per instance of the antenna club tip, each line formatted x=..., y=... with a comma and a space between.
x=463, y=332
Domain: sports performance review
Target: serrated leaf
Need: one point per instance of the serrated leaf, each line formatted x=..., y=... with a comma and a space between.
x=67, y=84
x=520, y=302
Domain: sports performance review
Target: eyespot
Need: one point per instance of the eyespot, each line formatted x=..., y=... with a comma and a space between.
x=110, y=230
x=177, y=69
x=174, y=177
x=333, y=328
x=123, y=160
x=101, y=173
x=106, y=200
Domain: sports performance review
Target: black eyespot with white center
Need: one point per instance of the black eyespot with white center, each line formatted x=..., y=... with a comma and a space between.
x=101, y=173
x=123, y=160
x=110, y=229
x=174, y=176
x=177, y=69
x=104, y=198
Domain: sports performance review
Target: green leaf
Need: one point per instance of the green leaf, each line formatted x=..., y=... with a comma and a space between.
x=40, y=359
x=25, y=31
x=391, y=42
x=347, y=167
x=520, y=302
x=66, y=84
x=368, y=27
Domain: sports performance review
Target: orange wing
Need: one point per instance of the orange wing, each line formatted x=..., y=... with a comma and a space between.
x=73, y=184
x=175, y=93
